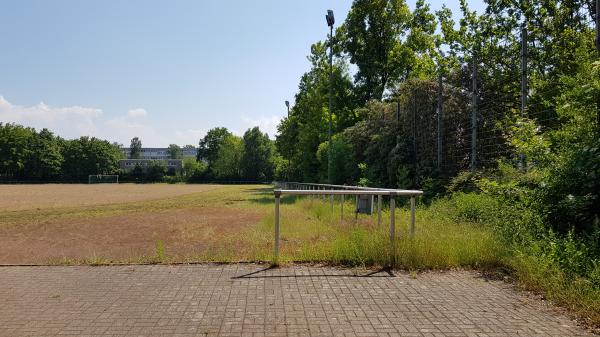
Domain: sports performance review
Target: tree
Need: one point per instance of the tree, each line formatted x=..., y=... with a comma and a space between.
x=157, y=169
x=344, y=169
x=175, y=151
x=194, y=170
x=257, y=160
x=301, y=133
x=373, y=38
x=135, y=150
x=15, y=149
x=89, y=155
x=227, y=165
x=45, y=159
x=211, y=143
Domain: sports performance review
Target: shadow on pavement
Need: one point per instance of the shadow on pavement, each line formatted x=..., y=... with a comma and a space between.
x=383, y=272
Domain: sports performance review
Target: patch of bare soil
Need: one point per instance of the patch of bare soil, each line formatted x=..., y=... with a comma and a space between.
x=23, y=197
x=184, y=232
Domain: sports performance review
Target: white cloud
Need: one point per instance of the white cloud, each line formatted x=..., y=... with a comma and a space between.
x=266, y=124
x=69, y=122
x=139, y=112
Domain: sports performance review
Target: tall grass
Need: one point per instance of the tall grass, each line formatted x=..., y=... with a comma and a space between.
x=312, y=232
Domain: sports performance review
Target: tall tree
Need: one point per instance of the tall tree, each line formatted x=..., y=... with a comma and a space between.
x=373, y=37
x=227, y=164
x=257, y=161
x=45, y=158
x=15, y=149
x=209, y=145
x=89, y=155
x=175, y=151
x=135, y=149
x=301, y=133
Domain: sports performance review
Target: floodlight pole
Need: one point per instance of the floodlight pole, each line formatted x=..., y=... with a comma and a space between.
x=287, y=104
x=330, y=22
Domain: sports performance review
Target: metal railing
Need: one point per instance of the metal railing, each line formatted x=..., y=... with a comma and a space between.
x=343, y=190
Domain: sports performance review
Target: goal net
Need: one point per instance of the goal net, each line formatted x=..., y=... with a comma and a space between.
x=103, y=179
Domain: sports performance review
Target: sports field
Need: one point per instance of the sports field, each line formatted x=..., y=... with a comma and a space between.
x=161, y=223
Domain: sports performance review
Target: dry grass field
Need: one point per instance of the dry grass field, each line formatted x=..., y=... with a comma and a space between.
x=62, y=224
x=125, y=223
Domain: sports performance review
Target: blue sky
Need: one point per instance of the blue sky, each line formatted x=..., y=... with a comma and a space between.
x=166, y=71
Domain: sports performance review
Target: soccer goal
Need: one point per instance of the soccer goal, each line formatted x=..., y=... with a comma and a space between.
x=103, y=179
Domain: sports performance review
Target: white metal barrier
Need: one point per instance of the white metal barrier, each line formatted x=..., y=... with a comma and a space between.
x=319, y=189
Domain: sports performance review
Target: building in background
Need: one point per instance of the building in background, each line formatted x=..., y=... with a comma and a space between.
x=150, y=154
x=159, y=153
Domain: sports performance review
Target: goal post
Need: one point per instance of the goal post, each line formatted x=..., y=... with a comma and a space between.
x=103, y=179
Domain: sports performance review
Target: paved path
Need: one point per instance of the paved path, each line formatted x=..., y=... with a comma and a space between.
x=242, y=300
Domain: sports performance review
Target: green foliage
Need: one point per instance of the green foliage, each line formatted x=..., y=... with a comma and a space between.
x=257, y=158
x=175, y=152
x=227, y=165
x=343, y=169
x=373, y=38
x=135, y=149
x=156, y=171
x=194, y=171
x=211, y=143
x=306, y=128
x=283, y=171
x=85, y=156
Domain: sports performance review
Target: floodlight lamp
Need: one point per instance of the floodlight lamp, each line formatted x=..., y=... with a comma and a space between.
x=330, y=18
x=287, y=103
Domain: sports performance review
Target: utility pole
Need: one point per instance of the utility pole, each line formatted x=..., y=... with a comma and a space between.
x=440, y=117
x=524, y=84
x=474, y=116
x=330, y=22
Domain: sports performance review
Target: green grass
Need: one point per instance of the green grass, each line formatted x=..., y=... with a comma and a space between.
x=312, y=232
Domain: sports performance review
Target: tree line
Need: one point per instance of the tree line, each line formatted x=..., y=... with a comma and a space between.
x=26, y=154
x=399, y=55
x=29, y=155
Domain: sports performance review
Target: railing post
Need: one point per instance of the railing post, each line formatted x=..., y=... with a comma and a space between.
x=356, y=208
x=379, y=210
x=392, y=230
x=277, y=200
x=412, y=216
x=343, y=197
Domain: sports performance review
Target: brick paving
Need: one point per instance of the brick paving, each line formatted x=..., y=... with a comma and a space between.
x=245, y=300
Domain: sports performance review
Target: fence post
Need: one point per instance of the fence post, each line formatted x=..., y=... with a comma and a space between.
x=412, y=216
x=392, y=230
x=440, y=120
x=343, y=197
x=379, y=210
x=356, y=208
x=474, y=116
x=523, y=80
x=277, y=200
